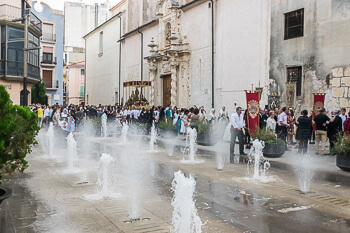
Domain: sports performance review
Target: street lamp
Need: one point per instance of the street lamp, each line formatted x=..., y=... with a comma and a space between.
x=25, y=54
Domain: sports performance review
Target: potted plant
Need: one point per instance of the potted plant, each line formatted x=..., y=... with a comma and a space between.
x=206, y=135
x=342, y=148
x=167, y=129
x=18, y=129
x=274, y=147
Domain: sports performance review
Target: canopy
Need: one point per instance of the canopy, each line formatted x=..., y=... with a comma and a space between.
x=137, y=84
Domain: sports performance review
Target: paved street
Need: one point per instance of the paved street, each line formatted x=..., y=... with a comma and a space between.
x=48, y=198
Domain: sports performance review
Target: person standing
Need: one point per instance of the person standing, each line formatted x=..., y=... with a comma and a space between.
x=343, y=116
x=346, y=126
x=40, y=116
x=283, y=126
x=271, y=122
x=304, y=124
x=335, y=127
x=46, y=116
x=237, y=127
x=320, y=121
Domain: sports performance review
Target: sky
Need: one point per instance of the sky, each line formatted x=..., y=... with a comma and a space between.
x=59, y=4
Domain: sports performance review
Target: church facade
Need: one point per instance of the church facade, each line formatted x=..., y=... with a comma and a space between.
x=200, y=52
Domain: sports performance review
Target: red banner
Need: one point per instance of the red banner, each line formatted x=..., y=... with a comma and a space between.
x=253, y=109
x=318, y=104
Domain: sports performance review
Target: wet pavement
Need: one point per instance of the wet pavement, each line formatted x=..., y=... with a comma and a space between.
x=47, y=198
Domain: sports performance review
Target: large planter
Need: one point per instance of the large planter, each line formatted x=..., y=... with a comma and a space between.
x=343, y=162
x=206, y=140
x=4, y=193
x=274, y=150
x=168, y=134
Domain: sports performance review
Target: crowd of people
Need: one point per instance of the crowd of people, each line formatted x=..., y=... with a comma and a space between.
x=299, y=132
x=308, y=128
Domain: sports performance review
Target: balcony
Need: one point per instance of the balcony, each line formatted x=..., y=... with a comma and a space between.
x=49, y=37
x=13, y=68
x=35, y=22
x=8, y=12
x=47, y=61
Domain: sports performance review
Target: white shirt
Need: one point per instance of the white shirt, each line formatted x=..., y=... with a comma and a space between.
x=343, y=118
x=237, y=121
x=46, y=112
x=271, y=123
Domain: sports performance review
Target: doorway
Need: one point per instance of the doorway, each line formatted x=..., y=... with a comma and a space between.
x=166, y=90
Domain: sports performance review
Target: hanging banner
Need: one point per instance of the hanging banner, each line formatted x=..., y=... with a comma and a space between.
x=290, y=95
x=253, y=109
x=318, y=101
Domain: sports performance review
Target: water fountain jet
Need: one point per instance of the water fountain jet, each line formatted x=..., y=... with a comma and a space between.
x=72, y=152
x=50, y=139
x=185, y=216
x=104, y=124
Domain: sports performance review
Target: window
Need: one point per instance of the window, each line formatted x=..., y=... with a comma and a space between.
x=47, y=77
x=48, y=32
x=81, y=91
x=82, y=72
x=295, y=75
x=15, y=34
x=294, y=24
x=47, y=58
x=101, y=44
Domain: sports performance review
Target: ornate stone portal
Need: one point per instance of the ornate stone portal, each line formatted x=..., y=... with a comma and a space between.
x=170, y=59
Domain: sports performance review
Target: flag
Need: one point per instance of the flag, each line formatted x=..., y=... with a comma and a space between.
x=318, y=104
x=253, y=109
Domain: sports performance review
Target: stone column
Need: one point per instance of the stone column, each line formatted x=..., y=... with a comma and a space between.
x=174, y=83
x=152, y=76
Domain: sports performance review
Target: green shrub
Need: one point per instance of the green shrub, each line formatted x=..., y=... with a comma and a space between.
x=266, y=136
x=342, y=145
x=167, y=125
x=18, y=129
x=204, y=127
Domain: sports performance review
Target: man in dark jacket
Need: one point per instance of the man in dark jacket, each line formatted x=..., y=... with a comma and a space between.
x=335, y=126
x=304, y=124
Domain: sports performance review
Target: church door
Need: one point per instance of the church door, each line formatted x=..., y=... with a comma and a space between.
x=166, y=90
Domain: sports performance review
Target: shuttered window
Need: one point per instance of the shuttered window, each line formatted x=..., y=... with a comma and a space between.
x=47, y=77
x=294, y=24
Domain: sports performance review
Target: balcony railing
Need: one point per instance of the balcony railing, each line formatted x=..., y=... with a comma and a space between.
x=35, y=22
x=8, y=12
x=49, y=37
x=49, y=61
x=13, y=68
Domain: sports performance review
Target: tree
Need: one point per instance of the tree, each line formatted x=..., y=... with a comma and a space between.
x=18, y=129
x=39, y=93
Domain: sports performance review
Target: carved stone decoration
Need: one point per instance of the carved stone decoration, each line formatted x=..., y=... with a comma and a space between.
x=171, y=58
x=174, y=83
x=152, y=75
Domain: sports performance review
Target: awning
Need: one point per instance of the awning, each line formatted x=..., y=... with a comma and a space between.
x=137, y=84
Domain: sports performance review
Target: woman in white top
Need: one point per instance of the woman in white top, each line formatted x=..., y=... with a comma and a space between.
x=212, y=117
x=271, y=123
x=184, y=122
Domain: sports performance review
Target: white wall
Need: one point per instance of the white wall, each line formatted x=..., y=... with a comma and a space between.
x=102, y=74
x=132, y=55
x=242, y=48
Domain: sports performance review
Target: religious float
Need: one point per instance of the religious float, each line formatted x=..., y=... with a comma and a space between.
x=136, y=97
